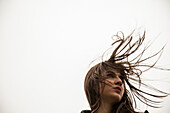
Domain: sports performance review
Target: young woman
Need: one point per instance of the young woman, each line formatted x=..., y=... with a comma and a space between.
x=106, y=83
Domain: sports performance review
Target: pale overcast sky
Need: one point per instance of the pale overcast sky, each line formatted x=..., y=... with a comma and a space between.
x=46, y=47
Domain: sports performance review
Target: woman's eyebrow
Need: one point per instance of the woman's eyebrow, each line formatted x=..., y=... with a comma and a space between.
x=111, y=72
x=114, y=73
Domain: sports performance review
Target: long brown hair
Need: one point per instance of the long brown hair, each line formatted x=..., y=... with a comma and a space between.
x=130, y=69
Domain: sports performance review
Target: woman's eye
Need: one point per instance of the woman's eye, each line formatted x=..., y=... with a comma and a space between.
x=110, y=75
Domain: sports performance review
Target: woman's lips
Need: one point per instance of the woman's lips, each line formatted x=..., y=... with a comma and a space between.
x=117, y=89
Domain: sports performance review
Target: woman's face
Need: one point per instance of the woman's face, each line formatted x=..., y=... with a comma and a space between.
x=114, y=87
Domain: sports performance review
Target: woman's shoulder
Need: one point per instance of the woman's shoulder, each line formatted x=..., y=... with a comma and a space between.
x=146, y=111
x=86, y=111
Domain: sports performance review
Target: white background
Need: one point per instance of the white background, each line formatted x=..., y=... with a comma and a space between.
x=46, y=47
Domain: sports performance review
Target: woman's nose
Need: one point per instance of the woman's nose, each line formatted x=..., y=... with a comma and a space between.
x=118, y=81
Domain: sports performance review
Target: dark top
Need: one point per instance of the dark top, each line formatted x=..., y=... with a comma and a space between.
x=88, y=111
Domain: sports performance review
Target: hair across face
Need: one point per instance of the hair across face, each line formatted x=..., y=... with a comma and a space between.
x=105, y=83
x=114, y=87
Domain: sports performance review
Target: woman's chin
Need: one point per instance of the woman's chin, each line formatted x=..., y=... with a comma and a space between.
x=114, y=98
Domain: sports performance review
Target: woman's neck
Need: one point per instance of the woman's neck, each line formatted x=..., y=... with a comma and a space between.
x=105, y=108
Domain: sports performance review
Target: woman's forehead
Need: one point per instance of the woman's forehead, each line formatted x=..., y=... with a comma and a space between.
x=112, y=70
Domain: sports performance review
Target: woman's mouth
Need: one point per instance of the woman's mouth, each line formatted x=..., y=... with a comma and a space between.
x=117, y=89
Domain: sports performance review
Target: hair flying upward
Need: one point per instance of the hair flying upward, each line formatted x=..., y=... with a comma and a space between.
x=123, y=60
